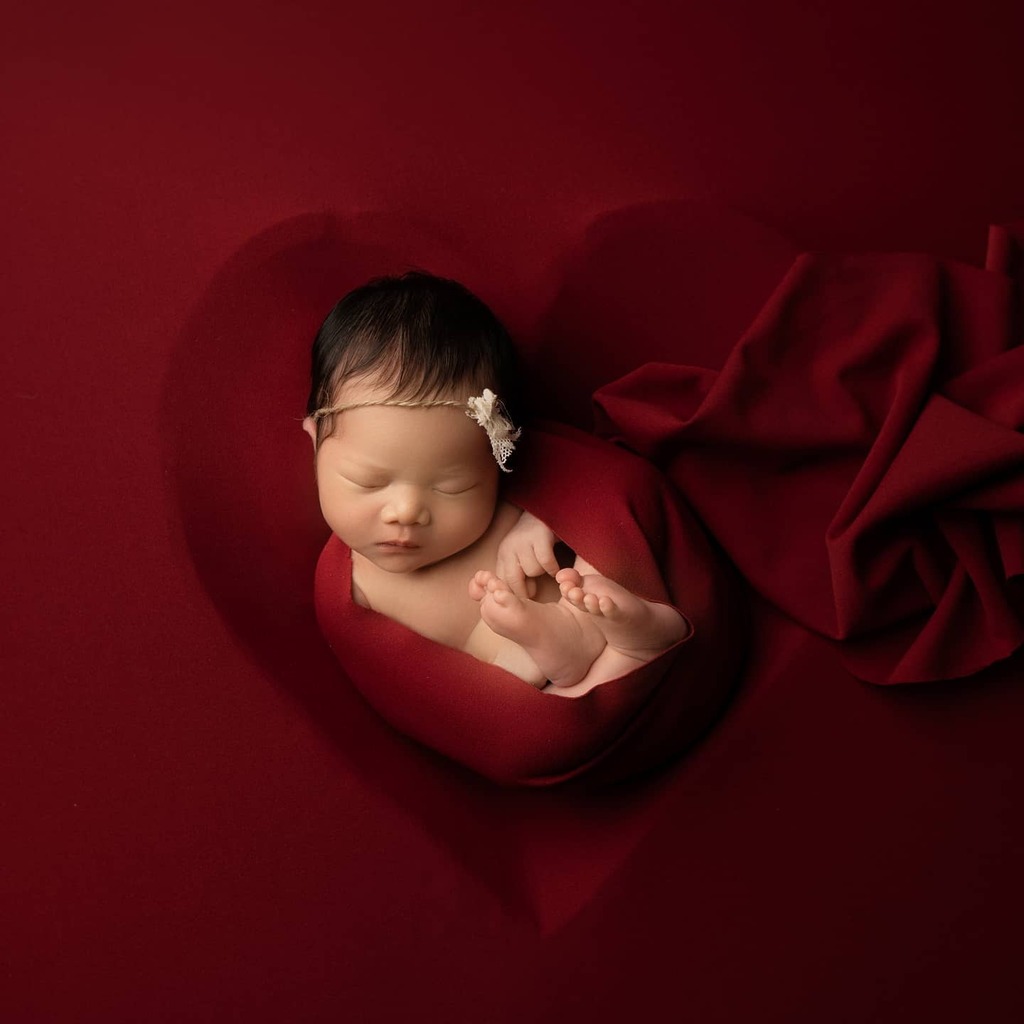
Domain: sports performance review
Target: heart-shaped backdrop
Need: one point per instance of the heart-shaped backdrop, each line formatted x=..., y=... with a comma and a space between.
x=241, y=479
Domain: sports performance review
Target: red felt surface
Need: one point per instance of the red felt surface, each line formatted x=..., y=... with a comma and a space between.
x=201, y=820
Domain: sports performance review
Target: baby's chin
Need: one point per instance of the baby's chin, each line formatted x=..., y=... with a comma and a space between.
x=402, y=561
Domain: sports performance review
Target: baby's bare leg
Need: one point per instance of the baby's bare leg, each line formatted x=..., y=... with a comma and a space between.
x=632, y=626
x=563, y=642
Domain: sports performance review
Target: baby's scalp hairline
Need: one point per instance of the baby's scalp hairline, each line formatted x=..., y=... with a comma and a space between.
x=393, y=390
x=405, y=369
x=486, y=409
x=400, y=372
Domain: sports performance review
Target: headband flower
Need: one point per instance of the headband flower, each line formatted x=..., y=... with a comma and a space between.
x=488, y=411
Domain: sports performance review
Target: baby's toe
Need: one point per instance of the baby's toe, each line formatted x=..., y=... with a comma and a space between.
x=570, y=577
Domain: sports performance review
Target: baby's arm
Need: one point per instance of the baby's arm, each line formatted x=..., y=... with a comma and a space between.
x=526, y=552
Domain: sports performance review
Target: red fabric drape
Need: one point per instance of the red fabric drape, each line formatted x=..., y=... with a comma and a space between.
x=859, y=455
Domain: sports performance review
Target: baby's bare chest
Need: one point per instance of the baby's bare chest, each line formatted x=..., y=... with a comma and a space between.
x=435, y=604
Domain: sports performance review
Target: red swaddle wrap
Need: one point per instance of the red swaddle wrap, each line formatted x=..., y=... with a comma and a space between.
x=618, y=513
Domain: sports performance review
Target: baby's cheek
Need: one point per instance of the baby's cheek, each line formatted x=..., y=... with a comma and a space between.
x=482, y=519
x=340, y=511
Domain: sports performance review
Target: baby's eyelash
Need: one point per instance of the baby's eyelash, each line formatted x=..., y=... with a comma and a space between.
x=452, y=494
x=379, y=485
x=361, y=485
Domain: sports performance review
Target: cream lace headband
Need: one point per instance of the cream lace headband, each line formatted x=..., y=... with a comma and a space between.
x=486, y=409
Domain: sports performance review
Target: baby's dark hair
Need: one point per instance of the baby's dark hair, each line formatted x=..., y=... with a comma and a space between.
x=420, y=336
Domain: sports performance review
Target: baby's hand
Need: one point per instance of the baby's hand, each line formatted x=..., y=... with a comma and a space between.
x=526, y=551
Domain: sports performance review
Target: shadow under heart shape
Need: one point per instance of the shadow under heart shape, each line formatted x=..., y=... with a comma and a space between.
x=240, y=482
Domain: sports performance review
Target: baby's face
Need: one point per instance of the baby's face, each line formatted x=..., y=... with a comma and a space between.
x=406, y=488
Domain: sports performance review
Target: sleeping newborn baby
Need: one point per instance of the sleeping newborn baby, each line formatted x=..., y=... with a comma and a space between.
x=410, y=442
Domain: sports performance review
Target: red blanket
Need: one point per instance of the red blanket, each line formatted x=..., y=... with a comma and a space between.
x=859, y=456
x=619, y=513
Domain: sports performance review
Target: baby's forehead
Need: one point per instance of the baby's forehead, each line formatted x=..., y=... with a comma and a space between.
x=372, y=388
x=441, y=436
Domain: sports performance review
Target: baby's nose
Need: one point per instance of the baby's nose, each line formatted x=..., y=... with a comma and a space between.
x=407, y=507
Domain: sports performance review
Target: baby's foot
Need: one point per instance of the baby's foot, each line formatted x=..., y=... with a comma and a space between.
x=563, y=643
x=632, y=626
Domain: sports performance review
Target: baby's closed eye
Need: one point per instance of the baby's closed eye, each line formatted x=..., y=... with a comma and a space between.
x=364, y=483
x=453, y=490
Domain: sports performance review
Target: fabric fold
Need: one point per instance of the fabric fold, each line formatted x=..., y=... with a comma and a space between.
x=859, y=455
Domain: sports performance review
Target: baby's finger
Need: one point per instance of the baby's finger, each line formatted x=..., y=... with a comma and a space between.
x=507, y=563
x=516, y=580
x=546, y=560
x=529, y=564
x=502, y=567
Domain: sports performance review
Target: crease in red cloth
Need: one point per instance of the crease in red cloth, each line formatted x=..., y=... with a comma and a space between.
x=859, y=456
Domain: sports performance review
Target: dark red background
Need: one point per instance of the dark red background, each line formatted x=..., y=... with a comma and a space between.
x=200, y=820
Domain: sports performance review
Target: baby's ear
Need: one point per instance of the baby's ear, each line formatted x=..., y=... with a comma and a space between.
x=310, y=428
